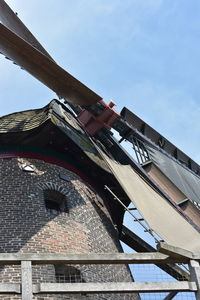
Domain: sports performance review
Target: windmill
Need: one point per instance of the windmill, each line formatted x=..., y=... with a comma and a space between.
x=78, y=179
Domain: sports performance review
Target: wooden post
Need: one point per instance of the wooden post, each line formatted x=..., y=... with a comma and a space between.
x=26, y=277
x=195, y=276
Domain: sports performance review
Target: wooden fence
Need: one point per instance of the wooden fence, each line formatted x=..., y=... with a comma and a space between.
x=166, y=254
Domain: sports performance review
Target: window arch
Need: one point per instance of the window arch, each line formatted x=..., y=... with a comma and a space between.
x=54, y=196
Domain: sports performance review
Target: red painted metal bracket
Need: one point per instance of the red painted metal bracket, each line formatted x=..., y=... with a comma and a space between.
x=93, y=123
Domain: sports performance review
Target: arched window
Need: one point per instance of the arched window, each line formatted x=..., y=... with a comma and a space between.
x=67, y=274
x=54, y=200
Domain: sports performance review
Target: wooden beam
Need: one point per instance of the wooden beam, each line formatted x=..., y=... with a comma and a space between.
x=195, y=275
x=45, y=69
x=118, y=287
x=170, y=296
x=11, y=21
x=176, y=252
x=6, y=288
x=90, y=258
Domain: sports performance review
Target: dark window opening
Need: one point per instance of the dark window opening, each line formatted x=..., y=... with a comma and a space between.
x=52, y=205
x=67, y=274
x=55, y=200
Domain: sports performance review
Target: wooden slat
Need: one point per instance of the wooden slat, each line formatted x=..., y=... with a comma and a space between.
x=118, y=287
x=91, y=258
x=10, y=288
x=176, y=252
x=44, y=69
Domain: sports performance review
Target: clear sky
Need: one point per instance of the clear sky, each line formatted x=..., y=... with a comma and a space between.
x=143, y=54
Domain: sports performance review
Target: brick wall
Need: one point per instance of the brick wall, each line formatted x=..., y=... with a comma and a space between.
x=28, y=226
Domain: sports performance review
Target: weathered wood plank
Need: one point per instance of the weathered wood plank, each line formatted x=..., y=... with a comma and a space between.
x=90, y=258
x=10, y=288
x=195, y=275
x=110, y=287
x=11, y=21
x=45, y=69
x=26, y=271
x=176, y=252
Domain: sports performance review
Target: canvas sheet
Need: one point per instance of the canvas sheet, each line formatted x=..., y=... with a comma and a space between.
x=161, y=216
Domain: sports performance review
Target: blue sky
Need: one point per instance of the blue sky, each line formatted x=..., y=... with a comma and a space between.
x=143, y=54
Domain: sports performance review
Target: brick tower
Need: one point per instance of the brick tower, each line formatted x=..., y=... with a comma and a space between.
x=52, y=199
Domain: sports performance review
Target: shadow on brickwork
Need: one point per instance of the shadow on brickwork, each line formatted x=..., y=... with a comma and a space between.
x=31, y=224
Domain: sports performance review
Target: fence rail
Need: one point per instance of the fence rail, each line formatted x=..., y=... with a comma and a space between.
x=172, y=255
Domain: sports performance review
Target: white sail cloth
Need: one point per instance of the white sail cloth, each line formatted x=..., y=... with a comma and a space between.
x=160, y=215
